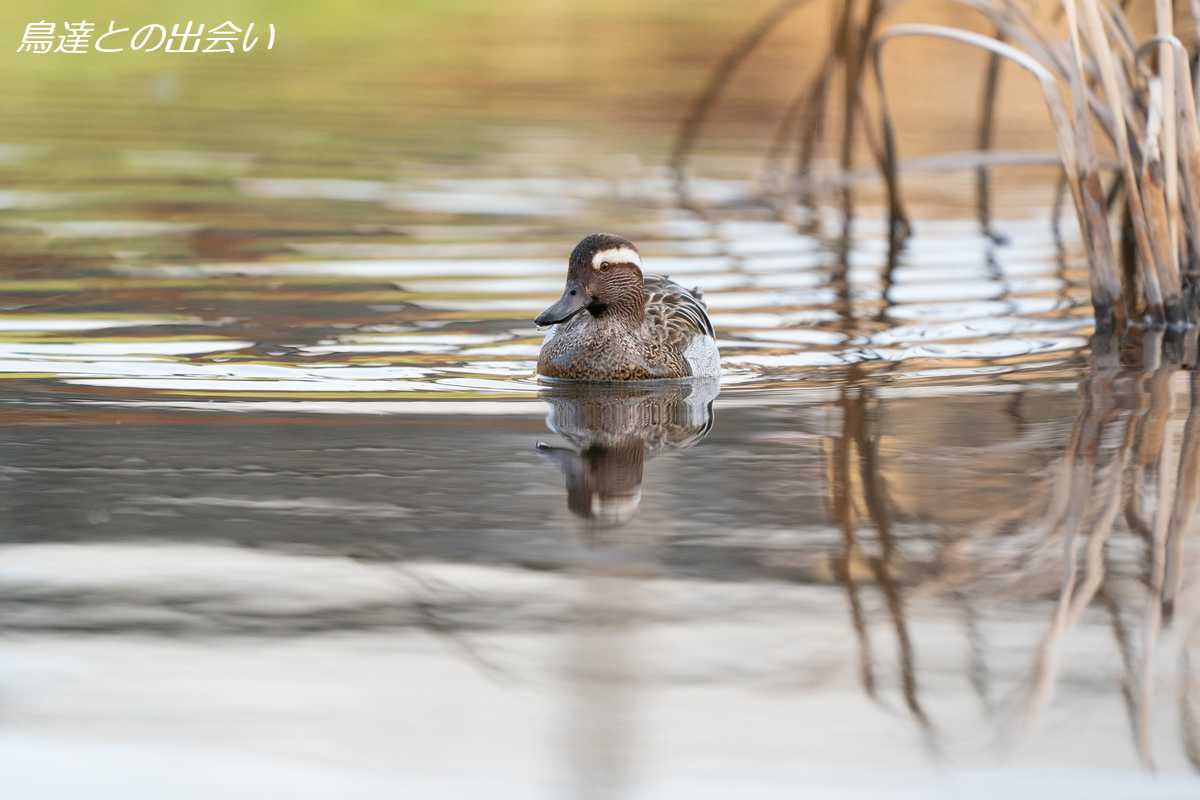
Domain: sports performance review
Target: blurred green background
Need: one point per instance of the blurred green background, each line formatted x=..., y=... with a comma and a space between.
x=358, y=87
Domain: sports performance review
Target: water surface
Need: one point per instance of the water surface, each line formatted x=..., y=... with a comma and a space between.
x=286, y=507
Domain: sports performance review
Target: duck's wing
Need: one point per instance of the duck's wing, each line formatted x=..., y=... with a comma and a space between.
x=681, y=311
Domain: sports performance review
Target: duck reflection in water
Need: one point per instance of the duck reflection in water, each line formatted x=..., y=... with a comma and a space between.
x=612, y=430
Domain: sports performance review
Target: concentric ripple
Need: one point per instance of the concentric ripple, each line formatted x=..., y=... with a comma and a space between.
x=438, y=305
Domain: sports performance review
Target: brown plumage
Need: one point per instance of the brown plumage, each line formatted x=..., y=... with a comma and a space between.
x=615, y=324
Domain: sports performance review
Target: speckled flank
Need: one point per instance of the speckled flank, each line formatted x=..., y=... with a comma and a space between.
x=599, y=349
x=586, y=348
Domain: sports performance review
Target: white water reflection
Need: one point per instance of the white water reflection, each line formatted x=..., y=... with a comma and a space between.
x=90, y=351
x=113, y=229
x=16, y=198
x=275, y=384
x=74, y=322
x=490, y=408
x=722, y=688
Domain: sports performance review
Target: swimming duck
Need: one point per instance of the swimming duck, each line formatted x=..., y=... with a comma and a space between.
x=613, y=323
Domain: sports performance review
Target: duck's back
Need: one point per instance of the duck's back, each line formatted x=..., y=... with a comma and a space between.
x=679, y=317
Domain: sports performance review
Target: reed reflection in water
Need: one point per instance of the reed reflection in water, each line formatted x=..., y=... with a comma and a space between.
x=874, y=571
x=1112, y=519
x=1106, y=529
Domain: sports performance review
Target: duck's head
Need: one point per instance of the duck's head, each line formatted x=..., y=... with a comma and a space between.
x=604, y=274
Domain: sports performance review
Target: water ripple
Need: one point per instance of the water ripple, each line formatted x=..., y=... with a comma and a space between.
x=442, y=310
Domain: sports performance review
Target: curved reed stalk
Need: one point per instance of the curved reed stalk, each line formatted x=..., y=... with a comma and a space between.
x=1086, y=206
x=987, y=125
x=1147, y=114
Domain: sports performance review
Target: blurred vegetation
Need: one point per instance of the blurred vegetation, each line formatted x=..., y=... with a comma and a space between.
x=366, y=86
x=378, y=79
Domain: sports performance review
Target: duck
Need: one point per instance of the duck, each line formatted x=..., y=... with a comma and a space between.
x=615, y=323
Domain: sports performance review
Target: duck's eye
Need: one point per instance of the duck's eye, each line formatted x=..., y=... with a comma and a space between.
x=604, y=265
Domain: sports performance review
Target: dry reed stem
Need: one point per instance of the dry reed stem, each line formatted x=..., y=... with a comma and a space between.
x=987, y=124
x=952, y=162
x=1022, y=30
x=1153, y=130
x=1166, y=74
x=782, y=137
x=811, y=134
x=1161, y=215
x=1155, y=205
x=1040, y=44
x=1189, y=148
x=1104, y=279
x=847, y=45
x=1094, y=28
x=1116, y=21
x=1045, y=79
x=1195, y=9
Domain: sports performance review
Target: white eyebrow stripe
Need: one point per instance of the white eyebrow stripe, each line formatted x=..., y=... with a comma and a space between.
x=617, y=255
